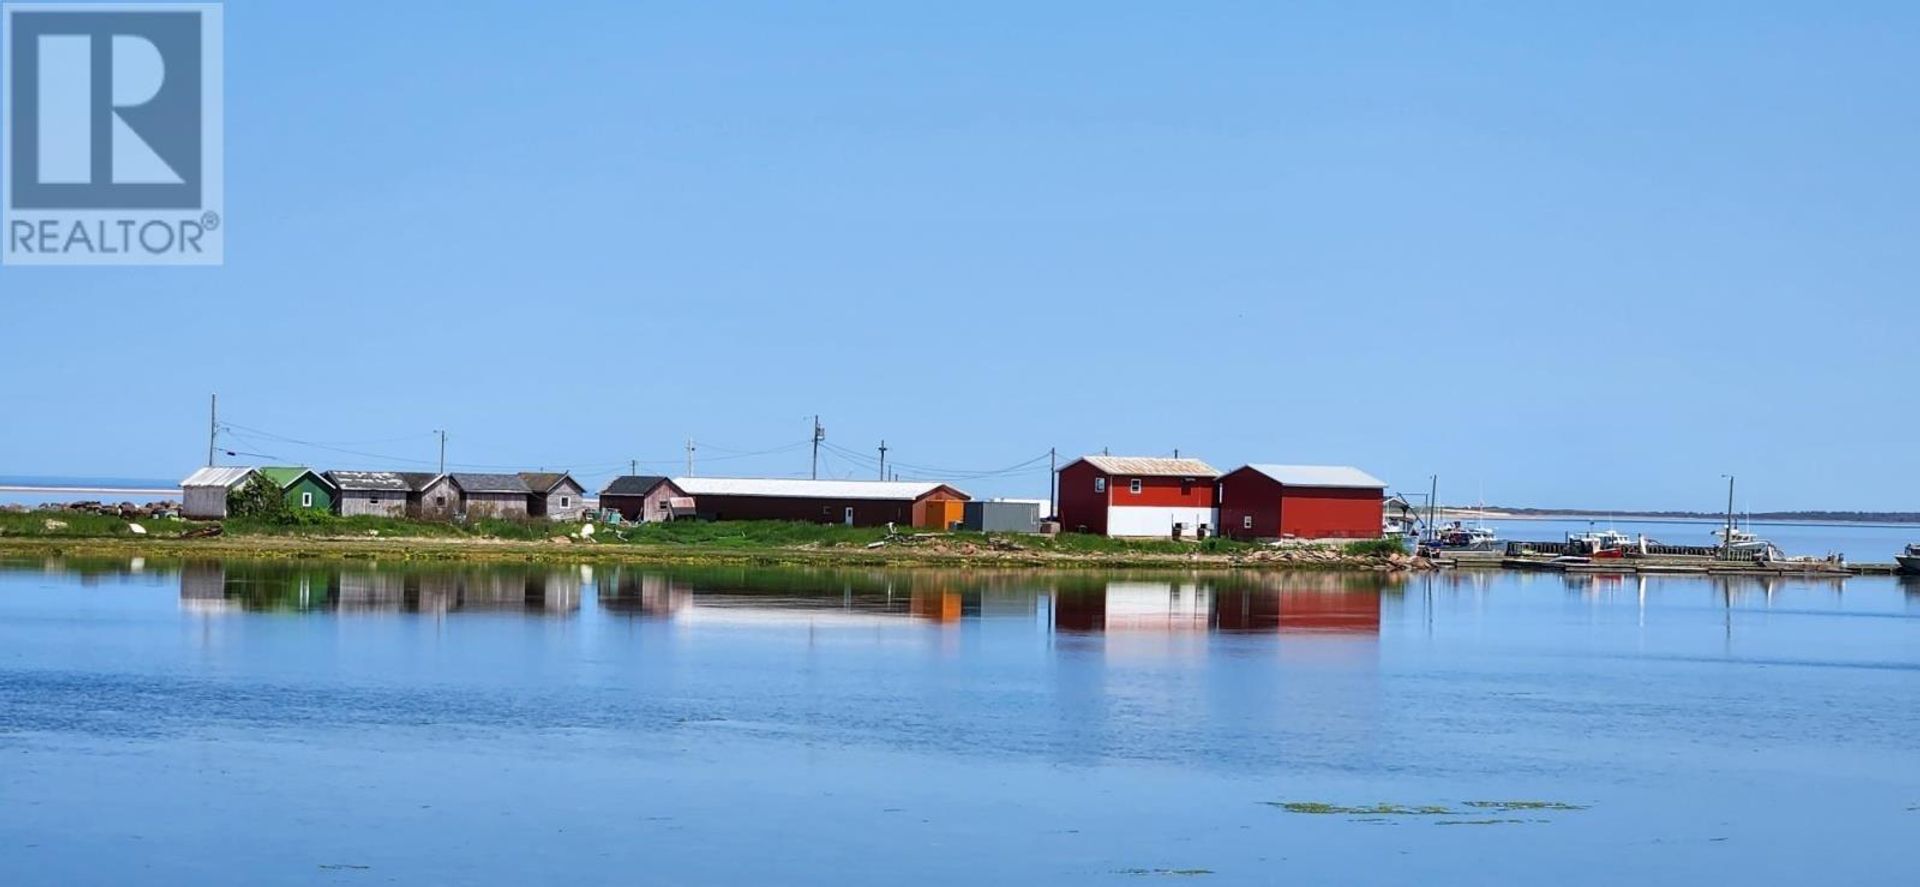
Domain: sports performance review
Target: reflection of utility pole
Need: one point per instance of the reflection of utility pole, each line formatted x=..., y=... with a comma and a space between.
x=819, y=434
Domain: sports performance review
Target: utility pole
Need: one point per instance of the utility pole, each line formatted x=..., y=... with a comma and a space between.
x=819, y=434
x=1433, y=498
x=883, y=460
x=443, y=449
x=689, y=457
x=1053, y=481
x=213, y=426
x=1726, y=541
x=633, y=466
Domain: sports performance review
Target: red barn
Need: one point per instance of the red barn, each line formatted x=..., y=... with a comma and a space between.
x=1134, y=496
x=855, y=503
x=1302, y=501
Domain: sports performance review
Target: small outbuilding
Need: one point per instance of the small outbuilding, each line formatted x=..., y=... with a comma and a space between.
x=302, y=487
x=1138, y=496
x=1301, y=501
x=641, y=498
x=203, y=495
x=1001, y=516
x=858, y=503
x=554, y=495
x=373, y=493
x=490, y=495
x=430, y=496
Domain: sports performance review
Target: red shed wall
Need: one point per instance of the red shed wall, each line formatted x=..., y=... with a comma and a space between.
x=1248, y=493
x=1330, y=513
x=1082, y=509
x=866, y=512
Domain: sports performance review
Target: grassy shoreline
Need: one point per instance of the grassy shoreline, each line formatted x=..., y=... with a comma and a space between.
x=694, y=543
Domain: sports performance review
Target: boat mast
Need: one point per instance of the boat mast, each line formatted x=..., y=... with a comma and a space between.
x=1726, y=542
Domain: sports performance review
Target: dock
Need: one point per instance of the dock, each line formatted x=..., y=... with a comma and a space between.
x=1661, y=560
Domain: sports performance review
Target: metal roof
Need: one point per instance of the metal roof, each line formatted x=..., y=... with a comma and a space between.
x=288, y=475
x=1320, y=476
x=368, y=480
x=633, y=485
x=546, y=481
x=217, y=477
x=490, y=483
x=808, y=489
x=1151, y=466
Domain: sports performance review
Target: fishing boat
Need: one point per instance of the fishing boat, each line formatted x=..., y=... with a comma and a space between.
x=1743, y=544
x=1909, y=559
x=1460, y=537
x=1607, y=543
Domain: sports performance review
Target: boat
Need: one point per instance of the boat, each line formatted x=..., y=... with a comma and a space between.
x=1743, y=544
x=1909, y=559
x=1607, y=543
x=1457, y=536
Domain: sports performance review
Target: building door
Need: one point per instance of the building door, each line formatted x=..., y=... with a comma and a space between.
x=849, y=515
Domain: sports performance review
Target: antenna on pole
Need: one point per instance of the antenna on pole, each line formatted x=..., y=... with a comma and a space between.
x=819, y=434
x=883, y=460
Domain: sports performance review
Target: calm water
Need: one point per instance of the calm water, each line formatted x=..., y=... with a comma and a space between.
x=1867, y=543
x=232, y=723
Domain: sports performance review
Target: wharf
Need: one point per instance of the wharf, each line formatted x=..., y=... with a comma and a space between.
x=1675, y=564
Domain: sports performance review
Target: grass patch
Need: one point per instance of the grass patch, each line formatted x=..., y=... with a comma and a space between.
x=82, y=525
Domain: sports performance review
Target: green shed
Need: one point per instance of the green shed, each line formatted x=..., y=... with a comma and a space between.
x=303, y=487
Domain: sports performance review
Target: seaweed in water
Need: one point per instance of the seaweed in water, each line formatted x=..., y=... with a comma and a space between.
x=1511, y=806
x=1325, y=809
x=1184, y=873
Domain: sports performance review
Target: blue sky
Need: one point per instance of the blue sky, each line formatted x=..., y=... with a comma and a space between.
x=1560, y=254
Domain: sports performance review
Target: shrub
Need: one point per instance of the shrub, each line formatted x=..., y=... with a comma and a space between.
x=258, y=499
x=1376, y=547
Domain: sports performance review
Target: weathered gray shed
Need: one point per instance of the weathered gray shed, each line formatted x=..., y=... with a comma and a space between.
x=1001, y=516
x=429, y=496
x=203, y=495
x=377, y=493
x=555, y=495
x=645, y=498
x=490, y=495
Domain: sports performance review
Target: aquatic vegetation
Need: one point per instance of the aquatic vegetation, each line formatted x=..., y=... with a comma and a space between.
x=1325, y=809
x=1173, y=872
x=1483, y=821
x=1511, y=806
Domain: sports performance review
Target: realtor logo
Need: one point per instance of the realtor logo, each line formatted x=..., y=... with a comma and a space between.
x=112, y=147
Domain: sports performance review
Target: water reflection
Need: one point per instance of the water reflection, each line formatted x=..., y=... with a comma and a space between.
x=304, y=587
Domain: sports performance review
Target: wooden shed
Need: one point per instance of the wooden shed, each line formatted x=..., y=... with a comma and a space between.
x=554, y=495
x=641, y=498
x=430, y=496
x=490, y=495
x=374, y=493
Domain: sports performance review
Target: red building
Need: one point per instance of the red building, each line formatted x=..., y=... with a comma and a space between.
x=855, y=503
x=1135, y=496
x=1300, y=501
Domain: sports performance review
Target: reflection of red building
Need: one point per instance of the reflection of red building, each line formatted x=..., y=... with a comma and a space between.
x=1080, y=610
x=1317, y=610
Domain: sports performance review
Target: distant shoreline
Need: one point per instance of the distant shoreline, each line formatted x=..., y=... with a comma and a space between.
x=1778, y=518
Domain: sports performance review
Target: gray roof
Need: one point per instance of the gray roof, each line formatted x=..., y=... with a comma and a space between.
x=1321, y=476
x=368, y=480
x=418, y=481
x=490, y=483
x=633, y=485
x=1151, y=466
x=547, y=481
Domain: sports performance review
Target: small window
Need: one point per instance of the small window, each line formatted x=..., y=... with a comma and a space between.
x=439, y=501
x=306, y=500
x=1133, y=486
x=1246, y=523
x=565, y=502
x=1099, y=484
